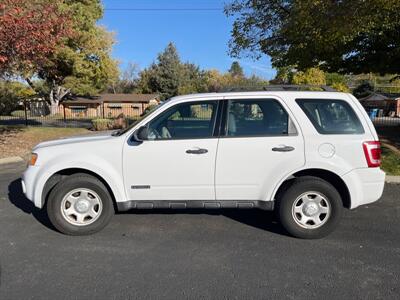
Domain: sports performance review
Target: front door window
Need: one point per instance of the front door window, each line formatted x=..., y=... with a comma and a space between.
x=192, y=120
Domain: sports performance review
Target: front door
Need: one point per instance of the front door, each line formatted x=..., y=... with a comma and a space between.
x=177, y=161
x=259, y=146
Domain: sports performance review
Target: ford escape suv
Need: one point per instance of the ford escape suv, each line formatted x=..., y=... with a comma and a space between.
x=305, y=154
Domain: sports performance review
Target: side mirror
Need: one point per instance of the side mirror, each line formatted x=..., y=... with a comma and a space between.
x=141, y=134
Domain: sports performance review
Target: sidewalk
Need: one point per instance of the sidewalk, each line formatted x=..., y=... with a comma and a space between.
x=10, y=160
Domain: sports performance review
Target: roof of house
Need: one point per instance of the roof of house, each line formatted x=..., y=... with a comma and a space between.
x=379, y=97
x=374, y=97
x=118, y=98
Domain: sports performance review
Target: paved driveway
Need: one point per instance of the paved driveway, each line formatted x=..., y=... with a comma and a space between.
x=174, y=255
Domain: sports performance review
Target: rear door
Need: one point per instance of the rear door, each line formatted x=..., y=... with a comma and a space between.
x=259, y=145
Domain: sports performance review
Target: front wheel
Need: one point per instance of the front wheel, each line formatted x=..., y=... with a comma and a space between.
x=80, y=204
x=310, y=208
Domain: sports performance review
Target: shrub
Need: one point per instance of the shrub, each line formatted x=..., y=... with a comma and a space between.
x=102, y=124
x=120, y=122
x=149, y=108
x=18, y=113
x=341, y=87
x=363, y=90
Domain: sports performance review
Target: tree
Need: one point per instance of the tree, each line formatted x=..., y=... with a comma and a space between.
x=169, y=77
x=284, y=75
x=30, y=31
x=83, y=64
x=394, y=86
x=335, y=78
x=363, y=90
x=164, y=76
x=59, y=42
x=192, y=79
x=337, y=81
x=236, y=70
x=217, y=82
x=255, y=82
x=340, y=87
x=128, y=81
x=11, y=93
x=347, y=36
x=312, y=76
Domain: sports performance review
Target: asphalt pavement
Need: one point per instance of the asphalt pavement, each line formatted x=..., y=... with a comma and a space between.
x=197, y=254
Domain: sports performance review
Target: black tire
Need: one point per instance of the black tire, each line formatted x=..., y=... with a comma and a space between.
x=77, y=181
x=294, y=190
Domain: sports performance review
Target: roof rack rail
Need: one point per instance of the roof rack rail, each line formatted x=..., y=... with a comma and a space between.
x=282, y=87
x=300, y=87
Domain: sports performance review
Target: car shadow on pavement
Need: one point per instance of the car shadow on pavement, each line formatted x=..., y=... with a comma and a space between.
x=257, y=218
x=17, y=198
x=261, y=219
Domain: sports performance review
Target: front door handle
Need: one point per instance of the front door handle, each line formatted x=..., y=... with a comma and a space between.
x=283, y=148
x=197, y=151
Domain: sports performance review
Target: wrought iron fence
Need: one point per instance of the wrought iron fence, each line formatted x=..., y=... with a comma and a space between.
x=384, y=113
x=40, y=114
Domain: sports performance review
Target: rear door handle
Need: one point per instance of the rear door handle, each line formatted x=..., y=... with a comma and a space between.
x=197, y=151
x=283, y=149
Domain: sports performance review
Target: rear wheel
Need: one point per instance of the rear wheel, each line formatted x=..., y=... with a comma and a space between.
x=80, y=204
x=309, y=208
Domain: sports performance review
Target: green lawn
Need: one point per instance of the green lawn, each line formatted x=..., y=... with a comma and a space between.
x=390, y=161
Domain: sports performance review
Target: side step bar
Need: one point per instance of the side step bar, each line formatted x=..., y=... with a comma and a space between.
x=183, y=204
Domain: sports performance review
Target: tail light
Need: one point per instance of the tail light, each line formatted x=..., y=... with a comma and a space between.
x=372, y=151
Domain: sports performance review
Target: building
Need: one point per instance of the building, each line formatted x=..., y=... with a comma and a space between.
x=109, y=105
x=384, y=104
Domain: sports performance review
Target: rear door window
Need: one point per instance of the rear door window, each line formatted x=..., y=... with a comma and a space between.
x=331, y=116
x=255, y=117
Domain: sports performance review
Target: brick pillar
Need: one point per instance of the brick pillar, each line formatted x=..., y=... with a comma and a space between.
x=398, y=107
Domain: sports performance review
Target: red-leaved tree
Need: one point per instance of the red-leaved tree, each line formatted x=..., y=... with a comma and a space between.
x=30, y=31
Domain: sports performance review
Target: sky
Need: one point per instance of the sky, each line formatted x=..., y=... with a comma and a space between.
x=201, y=36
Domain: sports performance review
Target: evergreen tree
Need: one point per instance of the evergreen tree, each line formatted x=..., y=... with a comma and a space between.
x=164, y=75
x=236, y=70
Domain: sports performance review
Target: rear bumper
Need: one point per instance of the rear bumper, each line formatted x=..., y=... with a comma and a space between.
x=365, y=185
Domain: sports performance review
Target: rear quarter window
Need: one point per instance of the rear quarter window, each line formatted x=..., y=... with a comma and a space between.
x=331, y=116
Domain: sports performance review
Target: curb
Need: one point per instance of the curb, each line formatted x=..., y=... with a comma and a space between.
x=392, y=179
x=9, y=160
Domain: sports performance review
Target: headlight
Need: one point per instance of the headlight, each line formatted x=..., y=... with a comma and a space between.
x=33, y=159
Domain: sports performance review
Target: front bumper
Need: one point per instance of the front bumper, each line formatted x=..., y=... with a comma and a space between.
x=23, y=186
x=365, y=185
x=28, y=182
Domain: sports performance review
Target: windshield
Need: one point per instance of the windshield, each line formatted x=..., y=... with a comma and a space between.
x=144, y=115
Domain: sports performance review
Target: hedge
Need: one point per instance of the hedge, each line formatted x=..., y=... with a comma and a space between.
x=18, y=113
x=102, y=124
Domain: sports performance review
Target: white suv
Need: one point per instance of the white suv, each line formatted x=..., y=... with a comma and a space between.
x=304, y=154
